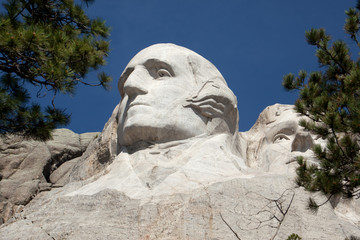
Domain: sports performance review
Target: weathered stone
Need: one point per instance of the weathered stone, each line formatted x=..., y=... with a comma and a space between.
x=100, y=152
x=26, y=166
x=254, y=208
x=149, y=175
x=61, y=175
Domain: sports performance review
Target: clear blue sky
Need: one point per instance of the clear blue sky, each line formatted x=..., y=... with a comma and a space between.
x=253, y=44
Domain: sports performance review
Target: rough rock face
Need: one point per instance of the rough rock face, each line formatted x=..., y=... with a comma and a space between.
x=264, y=203
x=137, y=181
x=29, y=167
x=99, y=154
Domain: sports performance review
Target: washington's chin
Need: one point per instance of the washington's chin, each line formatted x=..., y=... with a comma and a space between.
x=136, y=132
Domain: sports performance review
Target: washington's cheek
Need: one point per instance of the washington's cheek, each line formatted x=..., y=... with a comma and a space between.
x=137, y=115
x=169, y=93
x=165, y=106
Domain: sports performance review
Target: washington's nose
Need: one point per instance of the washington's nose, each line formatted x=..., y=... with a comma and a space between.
x=302, y=142
x=135, y=84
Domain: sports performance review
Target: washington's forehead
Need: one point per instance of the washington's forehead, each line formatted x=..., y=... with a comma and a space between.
x=169, y=54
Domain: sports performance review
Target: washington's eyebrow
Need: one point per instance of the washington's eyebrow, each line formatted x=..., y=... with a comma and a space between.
x=153, y=65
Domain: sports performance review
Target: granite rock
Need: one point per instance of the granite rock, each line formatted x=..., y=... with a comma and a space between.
x=27, y=166
x=149, y=175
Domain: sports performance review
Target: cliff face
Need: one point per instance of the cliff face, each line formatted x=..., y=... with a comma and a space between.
x=169, y=191
x=29, y=167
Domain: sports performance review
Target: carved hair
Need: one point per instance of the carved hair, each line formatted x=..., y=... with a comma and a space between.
x=213, y=99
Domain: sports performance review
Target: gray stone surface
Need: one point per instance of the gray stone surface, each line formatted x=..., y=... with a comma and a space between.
x=137, y=181
x=100, y=152
x=264, y=207
x=27, y=166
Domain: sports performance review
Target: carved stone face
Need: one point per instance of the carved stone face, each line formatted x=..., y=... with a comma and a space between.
x=279, y=138
x=154, y=87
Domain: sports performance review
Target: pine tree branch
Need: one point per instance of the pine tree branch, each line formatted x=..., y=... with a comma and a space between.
x=338, y=144
x=57, y=35
x=53, y=99
x=20, y=12
x=87, y=84
x=312, y=118
x=353, y=37
x=333, y=114
x=327, y=200
x=16, y=69
x=333, y=58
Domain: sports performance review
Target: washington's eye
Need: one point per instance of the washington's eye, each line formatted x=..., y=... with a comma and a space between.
x=163, y=73
x=279, y=138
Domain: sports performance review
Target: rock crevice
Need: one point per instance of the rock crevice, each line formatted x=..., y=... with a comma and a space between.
x=27, y=166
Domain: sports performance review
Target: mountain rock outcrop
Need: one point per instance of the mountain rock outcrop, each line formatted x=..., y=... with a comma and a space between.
x=28, y=167
x=171, y=164
x=263, y=202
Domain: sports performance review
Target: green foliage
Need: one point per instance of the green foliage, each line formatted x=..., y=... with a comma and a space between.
x=331, y=100
x=52, y=45
x=294, y=237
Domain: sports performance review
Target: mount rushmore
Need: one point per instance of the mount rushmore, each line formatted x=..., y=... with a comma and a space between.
x=169, y=164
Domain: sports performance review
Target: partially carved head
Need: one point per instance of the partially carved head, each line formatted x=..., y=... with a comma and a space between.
x=172, y=93
x=276, y=136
